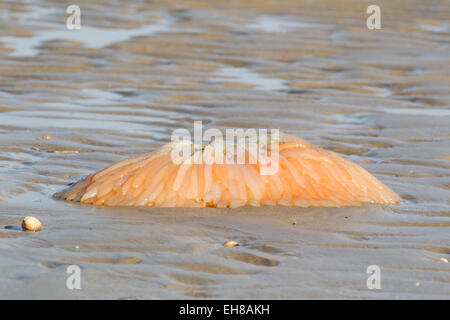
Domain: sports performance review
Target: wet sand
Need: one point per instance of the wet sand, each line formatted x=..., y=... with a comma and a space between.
x=137, y=72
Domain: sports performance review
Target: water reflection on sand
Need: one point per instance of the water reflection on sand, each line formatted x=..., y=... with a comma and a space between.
x=137, y=71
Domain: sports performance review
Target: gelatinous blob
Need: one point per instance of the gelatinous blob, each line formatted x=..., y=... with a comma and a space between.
x=307, y=176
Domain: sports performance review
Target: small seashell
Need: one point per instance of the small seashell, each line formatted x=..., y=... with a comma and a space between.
x=47, y=137
x=231, y=244
x=31, y=224
x=444, y=260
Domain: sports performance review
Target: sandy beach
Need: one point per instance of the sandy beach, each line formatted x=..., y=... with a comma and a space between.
x=73, y=102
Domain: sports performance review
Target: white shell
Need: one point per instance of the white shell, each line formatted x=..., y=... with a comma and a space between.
x=31, y=224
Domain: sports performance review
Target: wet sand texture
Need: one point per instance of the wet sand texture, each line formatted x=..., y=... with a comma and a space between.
x=138, y=70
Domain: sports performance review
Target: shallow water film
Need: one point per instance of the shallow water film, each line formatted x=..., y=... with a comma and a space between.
x=75, y=101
